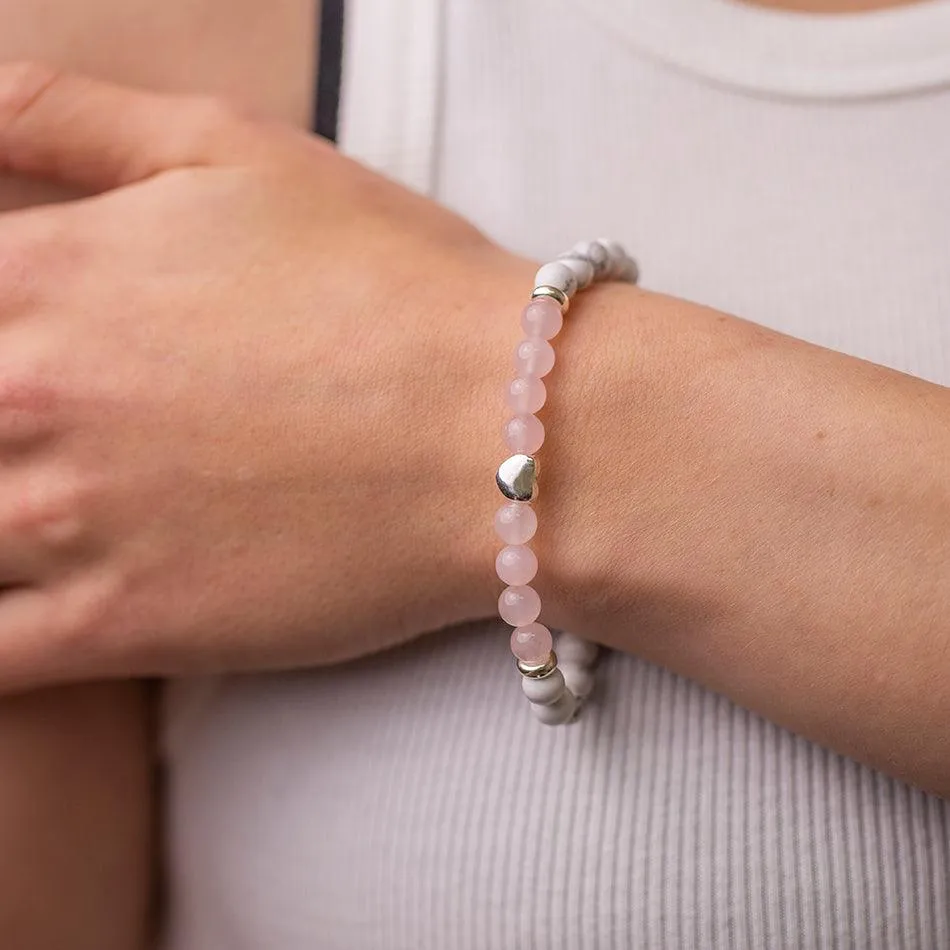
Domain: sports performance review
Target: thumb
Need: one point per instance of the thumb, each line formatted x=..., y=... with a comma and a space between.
x=99, y=135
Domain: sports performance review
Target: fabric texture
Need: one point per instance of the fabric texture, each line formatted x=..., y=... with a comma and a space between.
x=410, y=801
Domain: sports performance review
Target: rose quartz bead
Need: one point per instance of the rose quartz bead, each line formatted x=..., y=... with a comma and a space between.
x=516, y=522
x=542, y=318
x=534, y=357
x=516, y=564
x=519, y=605
x=526, y=394
x=524, y=434
x=532, y=643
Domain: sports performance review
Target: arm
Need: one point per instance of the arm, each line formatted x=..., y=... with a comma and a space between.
x=765, y=516
x=76, y=818
x=775, y=520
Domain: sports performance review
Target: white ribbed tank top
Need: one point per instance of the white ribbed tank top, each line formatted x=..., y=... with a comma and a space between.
x=791, y=169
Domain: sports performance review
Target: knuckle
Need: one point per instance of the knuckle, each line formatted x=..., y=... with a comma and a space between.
x=49, y=511
x=86, y=612
x=30, y=403
x=202, y=129
x=102, y=622
x=217, y=126
x=210, y=113
x=34, y=389
x=81, y=621
x=26, y=398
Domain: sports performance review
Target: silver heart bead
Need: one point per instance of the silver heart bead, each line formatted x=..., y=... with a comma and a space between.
x=517, y=478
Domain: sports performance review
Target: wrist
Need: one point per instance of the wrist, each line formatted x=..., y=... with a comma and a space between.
x=599, y=426
x=596, y=350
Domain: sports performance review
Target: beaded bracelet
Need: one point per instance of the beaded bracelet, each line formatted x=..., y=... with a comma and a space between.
x=555, y=683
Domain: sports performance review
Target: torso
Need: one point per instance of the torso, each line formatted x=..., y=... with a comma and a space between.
x=409, y=801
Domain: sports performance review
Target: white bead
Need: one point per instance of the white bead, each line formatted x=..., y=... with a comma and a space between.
x=574, y=649
x=630, y=272
x=616, y=255
x=546, y=690
x=557, y=274
x=596, y=253
x=583, y=269
x=557, y=713
x=579, y=679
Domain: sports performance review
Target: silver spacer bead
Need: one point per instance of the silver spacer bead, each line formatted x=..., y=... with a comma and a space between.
x=536, y=671
x=554, y=292
x=517, y=477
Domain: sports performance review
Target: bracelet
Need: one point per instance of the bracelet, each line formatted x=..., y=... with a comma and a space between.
x=556, y=683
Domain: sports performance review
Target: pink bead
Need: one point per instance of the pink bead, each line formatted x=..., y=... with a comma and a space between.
x=542, y=318
x=516, y=522
x=532, y=643
x=519, y=605
x=534, y=357
x=524, y=434
x=516, y=564
x=526, y=394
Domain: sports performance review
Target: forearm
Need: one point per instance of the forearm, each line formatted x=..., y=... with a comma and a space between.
x=760, y=514
x=763, y=515
x=75, y=819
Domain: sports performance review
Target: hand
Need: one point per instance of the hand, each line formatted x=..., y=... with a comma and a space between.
x=236, y=390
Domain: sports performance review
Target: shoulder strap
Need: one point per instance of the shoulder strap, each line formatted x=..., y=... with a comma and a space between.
x=329, y=69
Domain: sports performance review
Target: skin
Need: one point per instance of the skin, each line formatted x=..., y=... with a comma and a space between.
x=75, y=826
x=76, y=762
x=742, y=653
x=786, y=539
x=206, y=46
x=90, y=507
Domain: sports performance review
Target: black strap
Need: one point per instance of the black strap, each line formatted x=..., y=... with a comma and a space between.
x=329, y=68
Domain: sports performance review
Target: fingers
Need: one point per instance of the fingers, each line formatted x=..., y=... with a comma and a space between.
x=42, y=533
x=65, y=631
x=24, y=611
x=31, y=647
x=51, y=592
x=22, y=561
x=99, y=135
